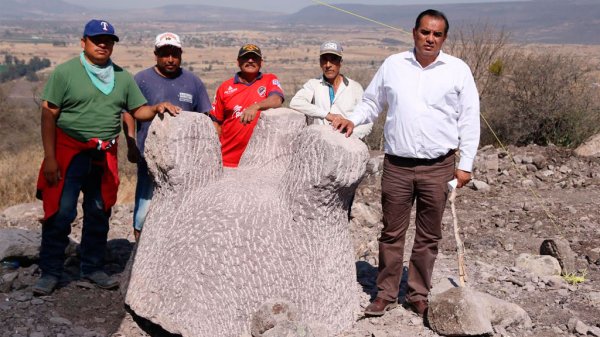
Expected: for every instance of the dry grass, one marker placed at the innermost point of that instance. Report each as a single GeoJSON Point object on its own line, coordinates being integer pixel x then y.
{"type": "Point", "coordinates": [292, 55]}
{"type": "Point", "coordinates": [19, 173]}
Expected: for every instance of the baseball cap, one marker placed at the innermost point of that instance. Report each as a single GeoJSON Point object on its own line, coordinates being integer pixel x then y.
{"type": "Point", "coordinates": [167, 39]}
{"type": "Point", "coordinates": [99, 27]}
{"type": "Point", "coordinates": [249, 48]}
{"type": "Point", "coordinates": [331, 47]}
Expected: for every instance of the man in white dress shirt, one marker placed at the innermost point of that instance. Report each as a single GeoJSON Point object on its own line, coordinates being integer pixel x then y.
{"type": "Point", "coordinates": [433, 110]}
{"type": "Point", "coordinates": [331, 95]}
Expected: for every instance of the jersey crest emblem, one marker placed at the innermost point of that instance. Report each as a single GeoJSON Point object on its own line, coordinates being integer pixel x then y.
{"type": "Point", "coordinates": [262, 91]}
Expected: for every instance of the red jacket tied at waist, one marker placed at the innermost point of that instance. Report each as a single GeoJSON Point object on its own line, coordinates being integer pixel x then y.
{"type": "Point", "coordinates": [66, 149]}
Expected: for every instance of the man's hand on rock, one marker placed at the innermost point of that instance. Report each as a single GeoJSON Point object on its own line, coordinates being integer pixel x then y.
{"type": "Point", "coordinates": [331, 117]}
{"type": "Point", "coordinates": [249, 114]}
{"type": "Point", "coordinates": [163, 107]}
{"type": "Point", "coordinates": [343, 125]}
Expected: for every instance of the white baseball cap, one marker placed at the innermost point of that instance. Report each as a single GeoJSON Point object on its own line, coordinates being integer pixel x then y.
{"type": "Point", "coordinates": [167, 39]}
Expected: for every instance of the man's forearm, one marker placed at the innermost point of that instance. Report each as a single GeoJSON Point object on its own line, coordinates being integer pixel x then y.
{"type": "Point", "coordinates": [48, 125]}
{"type": "Point", "coordinates": [128, 125]}
{"type": "Point", "coordinates": [273, 101]}
{"type": "Point", "coordinates": [144, 113]}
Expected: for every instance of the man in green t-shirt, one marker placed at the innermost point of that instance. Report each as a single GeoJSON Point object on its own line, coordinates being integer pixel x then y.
{"type": "Point", "coordinates": [81, 119]}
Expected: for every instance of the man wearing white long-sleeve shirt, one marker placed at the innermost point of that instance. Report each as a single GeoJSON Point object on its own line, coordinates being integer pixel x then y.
{"type": "Point", "coordinates": [433, 110]}
{"type": "Point", "coordinates": [331, 95]}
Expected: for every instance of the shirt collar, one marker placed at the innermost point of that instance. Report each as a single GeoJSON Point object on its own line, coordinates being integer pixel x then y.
{"type": "Point", "coordinates": [441, 58]}
{"type": "Point", "coordinates": [324, 81]}
{"type": "Point", "coordinates": [236, 78]}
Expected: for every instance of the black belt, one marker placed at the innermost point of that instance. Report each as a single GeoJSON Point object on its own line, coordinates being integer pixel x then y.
{"type": "Point", "coordinates": [418, 161]}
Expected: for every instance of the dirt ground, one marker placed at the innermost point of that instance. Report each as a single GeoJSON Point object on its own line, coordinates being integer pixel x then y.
{"type": "Point", "coordinates": [520, 210]}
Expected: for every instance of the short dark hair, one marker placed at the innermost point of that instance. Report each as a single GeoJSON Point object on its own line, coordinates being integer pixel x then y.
{"type": "Point", "coordinates": [435, 14]}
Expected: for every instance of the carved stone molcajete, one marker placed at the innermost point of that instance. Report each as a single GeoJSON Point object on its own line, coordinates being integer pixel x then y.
{"type": "Point", "coordinates": [218, 243]}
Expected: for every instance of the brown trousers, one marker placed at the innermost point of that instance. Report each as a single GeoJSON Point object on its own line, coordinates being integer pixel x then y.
{"type": "Point", "coordinates": [405, 180]}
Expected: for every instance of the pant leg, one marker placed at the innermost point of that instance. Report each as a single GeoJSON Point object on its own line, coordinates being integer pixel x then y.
{"type": "Point", "coordinates": [95, 220]}
{"type": "Point", "coordinates": [397, 199]}
{"type": "Point", "coordinates": [56, 229]}
{"type": "Point", "coordinates": [144, 190]}
{"type": "Point", "coordinates": [431, 195]}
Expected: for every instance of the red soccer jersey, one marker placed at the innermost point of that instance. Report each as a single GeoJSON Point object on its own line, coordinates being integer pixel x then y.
{"type": "Point", "coordinates": [231, 99]}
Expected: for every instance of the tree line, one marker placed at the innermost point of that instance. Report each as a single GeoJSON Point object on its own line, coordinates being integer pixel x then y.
{"type": "Point", "coordinates": [14, 68]}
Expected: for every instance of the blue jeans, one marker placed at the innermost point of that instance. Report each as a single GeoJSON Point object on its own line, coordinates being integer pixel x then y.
{"type": "Point", "coordinates": [84, 174]}
{"type": "Point", "coordinates": [143, 195]}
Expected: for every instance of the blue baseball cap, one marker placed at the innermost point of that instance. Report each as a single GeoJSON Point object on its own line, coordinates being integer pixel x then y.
{"type": "Point", "coordinates": [99, 27]}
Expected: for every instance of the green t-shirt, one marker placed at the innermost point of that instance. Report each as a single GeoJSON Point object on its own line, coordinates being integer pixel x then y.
{"type": "Point", "coordinates": [85, 112]}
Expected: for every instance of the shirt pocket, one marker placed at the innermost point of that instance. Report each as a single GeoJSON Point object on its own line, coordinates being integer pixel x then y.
{"type": "Point", "coordinates": [444, 98]}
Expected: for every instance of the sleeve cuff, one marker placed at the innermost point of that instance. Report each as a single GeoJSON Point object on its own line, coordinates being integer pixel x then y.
{"type": "Point", "coordinates": [466, 164]}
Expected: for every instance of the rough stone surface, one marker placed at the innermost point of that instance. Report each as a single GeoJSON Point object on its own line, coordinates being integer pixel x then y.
{"type": "Point", "coordinates": [479, 185]}
{"type": "Point", "coordinates": [458, 312]}
{"type": "Point", "coordinates": [541, 265]}
{"type": "Point", "coordinates": [594, 331]}
{"type": "Point", "coordinates": [590, 148]}
{"type": "Point", "coordinates": [290, 329]}
{"type": "Point", "coordinates": [15, 242]}
{"type": "Point", "coordinates": [270, 314]}
{"type": "Point", "coordinates": [218, 243]}
{"type": "Point", "coordinates": [466, 312]}
{"type": "Point", "coordinates": [560, 249]}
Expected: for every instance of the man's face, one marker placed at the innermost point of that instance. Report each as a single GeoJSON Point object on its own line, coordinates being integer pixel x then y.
{"type": "Point", "coordinates": [98, 48]}
{"type": "Point", "coordinates": [331, 65]}
{"type": "Point", "coordinates": [249, 63]}
{"type": "Point", "coordinates": [430, 36]}
{"type": "Point", "coordinates": [168, 60]}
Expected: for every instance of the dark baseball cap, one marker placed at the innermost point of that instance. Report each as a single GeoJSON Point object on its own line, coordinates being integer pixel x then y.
{"type": "Point", "coordinates": [249, 48]}
{"type": "Point", "coordinates": [99, 27]}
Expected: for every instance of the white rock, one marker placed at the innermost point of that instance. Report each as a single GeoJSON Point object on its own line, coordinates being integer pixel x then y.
{"type": "Point", "coordinates": [275, 227]}
{"type": "Point", "coordinates": [541, 265]}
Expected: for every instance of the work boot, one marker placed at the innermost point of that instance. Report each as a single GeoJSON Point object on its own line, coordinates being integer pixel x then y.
{"type": "Point", "coordinates": [379, 307]}
{"type": "Point", "coordinates": [419, 307]}
{"type": "Point", "coordinates": [102, 280]}
{"type": "Point", "coordinates": [45, 285]}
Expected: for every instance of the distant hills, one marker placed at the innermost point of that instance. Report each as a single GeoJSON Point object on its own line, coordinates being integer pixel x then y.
{"type": "Point", "coordinates": [546, 21]}
{"type": "Point", "coordinates": [36, 9]}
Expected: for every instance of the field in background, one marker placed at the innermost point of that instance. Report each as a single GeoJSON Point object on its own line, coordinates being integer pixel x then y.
{"type": "Point", "coordinates": [292, 55]}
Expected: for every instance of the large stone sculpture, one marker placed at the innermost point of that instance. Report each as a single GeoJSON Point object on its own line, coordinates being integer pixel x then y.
{"type": "Point", "coordinates": [218, 243]}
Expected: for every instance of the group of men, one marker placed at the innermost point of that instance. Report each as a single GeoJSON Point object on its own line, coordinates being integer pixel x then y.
{"type": "Point", "coordinates": [433, 112]}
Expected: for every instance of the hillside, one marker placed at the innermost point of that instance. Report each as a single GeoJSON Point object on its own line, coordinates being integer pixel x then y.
{"type": "Point", "coordinates": [554, 21]}
{"type": "Point", "coordinates": [535, 21]}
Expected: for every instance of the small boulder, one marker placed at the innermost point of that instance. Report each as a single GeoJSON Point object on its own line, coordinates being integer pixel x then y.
{"type": "Point", "coordinates": [561, 250]}
{"type": "Point", "coordinates": [289, 329]}
{"type": "Point", "coordinates": [541, 265]}
{"type": "Point", "coordinates": [466, 312]}
{"type": "Point", "coordinates": [270, 314]}
{"type": "Point", "coordinates": [590, 148]}
{"type": "Point", "coordinates": [15, 242]}
{"type": "Point", "coordinates": [479, 185]}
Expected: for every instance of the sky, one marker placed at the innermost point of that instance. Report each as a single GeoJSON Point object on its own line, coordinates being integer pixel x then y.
{"type": "Point", "coordinates": [286, 6]}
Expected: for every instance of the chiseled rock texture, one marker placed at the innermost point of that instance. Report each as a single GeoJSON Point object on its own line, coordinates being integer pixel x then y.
{"type": "Point", "coordinates": [218, 243]}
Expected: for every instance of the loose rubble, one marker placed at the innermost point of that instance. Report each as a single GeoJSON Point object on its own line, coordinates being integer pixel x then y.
{"type": "Point", "coordinates": [535, 194]}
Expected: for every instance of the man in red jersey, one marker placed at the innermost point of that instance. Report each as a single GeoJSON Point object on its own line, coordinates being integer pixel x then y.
{"type": "Point", "coordinates": [239, 101]}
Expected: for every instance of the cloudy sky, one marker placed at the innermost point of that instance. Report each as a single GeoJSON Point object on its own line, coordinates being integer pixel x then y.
{"type": "Point", "coordinates": [288, 6]}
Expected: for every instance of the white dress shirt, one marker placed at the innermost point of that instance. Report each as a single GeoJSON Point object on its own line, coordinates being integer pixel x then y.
{"type": "Point", "coordinates": [431, 110]}
{"type": "Point", "coordinates": [313, 100]}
